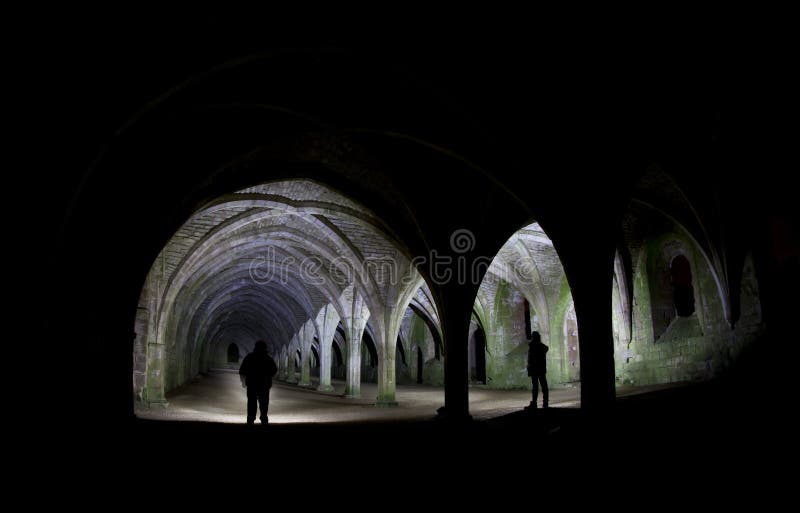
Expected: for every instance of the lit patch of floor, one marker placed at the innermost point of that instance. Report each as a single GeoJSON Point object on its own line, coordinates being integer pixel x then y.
{"type": "Point", "coordinates": [219, 397]}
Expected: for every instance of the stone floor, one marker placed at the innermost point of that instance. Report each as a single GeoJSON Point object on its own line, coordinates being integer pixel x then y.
{"type": "Point", "coordinates": [219, 397]}
{"type": "Point", "coordinates": [650, 432]}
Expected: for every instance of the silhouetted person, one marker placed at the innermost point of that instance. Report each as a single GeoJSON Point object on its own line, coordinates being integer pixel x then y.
{"type": "Point", "coordinates": [256, 374]}
{"type": "Point", "coordinates": [537, 369]}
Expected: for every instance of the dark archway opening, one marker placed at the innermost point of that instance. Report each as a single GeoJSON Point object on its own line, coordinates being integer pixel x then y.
{"type": "Point", "coordinates": [372, 351]}
{"type": "Point", "coordinates": [338, 360]}
{"type": "Point", "coordinates": [682, 291]}
{"type": "Point", "coordinates": [401, 353]}
{"type": "Point", "coordinates": [339, 344]}
{"type": "Point", "coordinates": [233, 353]}
{"type": "Point", "coordinates": [437, 338]}
{"type": "Point", "coordinates": [315, 358]}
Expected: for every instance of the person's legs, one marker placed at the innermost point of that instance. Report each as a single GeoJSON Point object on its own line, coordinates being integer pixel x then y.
{"type": "Point", "coordinates": [545, 391]}
{"type": "Point", "coordinates": [535, 391]}
{"type": "Point", "coordinates": [263, 403]}
{"type": "Point", "coordinates": [252, 405]}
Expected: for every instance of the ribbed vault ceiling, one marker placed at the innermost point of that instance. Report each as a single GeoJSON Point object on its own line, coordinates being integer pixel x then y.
{"type": "Point", "coordinates": [261, 262]}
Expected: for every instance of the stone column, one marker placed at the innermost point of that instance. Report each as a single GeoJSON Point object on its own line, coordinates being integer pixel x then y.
{"type": "Point", "coordinates": [387, 347]}
{"type": "Point", "coordinates": [353, 387]}
{"type": "Point", "coordinates": [325, 367]}
{"type": "Point", "coordinates": [620, 273]}
{"type": "Point", "coordinates": [154, 391]}
{"type": "Point", "coordinates": [354, 326]}
{"type": "Point", "coordinates": [596, 351]}
{"type": "Point", "coordinates": [291, 376]}
{"type": "Point", "coordinates": [306, 337]}
{"type": "Point", "coordinates": [455, 317]}
{"type": "Point", "coordinates": [282, 373]}
{"type": "Point", "coordinates": [387, 385]}
{"type": "Point", "coordinates": [327, 321]}
{"type": "Point", "coordinates": [305, 367]}
{"type": "Point", "coordinates": [154, 351]}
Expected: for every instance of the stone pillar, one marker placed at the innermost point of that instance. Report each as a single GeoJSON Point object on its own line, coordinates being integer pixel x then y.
{"type": "Point", "coordinates": [282, 374]}
{"type": "Point", "coordinates": [154, 391]}
{"type": "Point", "coordinates": [387, 347]}
{"type": "Point", "coordinates": [398, 297]}
{"type": "Point", "coordinates": [626, 329]}
{"type": "Point", "coordinates": [154, 352]}
{"type": "Point", "coordinates": [353, 387]}
{"type": "Point", "coordinates": [359, 314]}
{"type": "Point", "coordinates": [456, 371]}
{"type": "Point", "coordinates": [588, 264]}
{"type": "Point", "coordinates": [327, 321]}
{"type": "Point", "coordinates": [291, 376]}
{"type": "Point", "coordinates": [387, 385]}
{"type": "Point", "coordinates": [305, 367]}
{"type": "Point", "coordinates": [325, 367]}
{"type": "Point", "coordinates": [596, 351]}
{"type": "Point", "coordinates": [455, 317]}
{"type": "Point", "coordinates": [306, 337]}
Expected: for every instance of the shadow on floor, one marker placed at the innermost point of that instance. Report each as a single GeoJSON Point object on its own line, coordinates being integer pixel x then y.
{"type": "Point", "coordinates": [688, 417]}
{"type": "Point", "coordinates": [688, 429]}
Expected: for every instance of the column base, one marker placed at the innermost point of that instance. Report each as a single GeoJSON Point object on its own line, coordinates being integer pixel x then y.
{"type": "Point", "coordinates": [306, 384]}
{"type": "Point", "coordinates": [325, 388]}
{"type": "Point", "coordinates": [356, 395]}
{"type": "Point", "coordinates": [386, 404]}
{"type": "Point", "coordinates": [154, 398]}
{"type": "Point", "coordinates": [452, 416]}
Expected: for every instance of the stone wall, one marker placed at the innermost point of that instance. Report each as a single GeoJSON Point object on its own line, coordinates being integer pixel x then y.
{"type": "Point", "coordinates": [418, 337]}
{"type": "Point", "coordinates": [527, 269]}
{"type": "Point", "coordinates": [666, 348]}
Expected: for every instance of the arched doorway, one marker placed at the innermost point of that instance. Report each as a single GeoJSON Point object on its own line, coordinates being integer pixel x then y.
{"type": "Point", "coordinates": [315, 361]}
{"type": "Point", "coordinates": [680, 273]}
{"type": "Point", "coordinates": [524, 289]}
{"type": "Point", "coordinates": [369, 359]}
{"type": "Point", "coordinates": [478, 346]}
{"type": "Point", "coordinates": [233, 353]}
{"type": "Point", "coordinates": [337, 362]}
{"type": "Point", "coordinates": [421, 338]}
{"type": "Point", "coordinates": [249, 252]}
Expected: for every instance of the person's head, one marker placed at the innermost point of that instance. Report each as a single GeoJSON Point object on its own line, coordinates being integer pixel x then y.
{"type": "Point", "coordinates": [261, 347]}
{"type": "Point", "coordinates": [535, 337]}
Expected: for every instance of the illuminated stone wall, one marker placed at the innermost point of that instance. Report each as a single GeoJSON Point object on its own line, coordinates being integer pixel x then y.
{"type": "Point", "coordinates": [284, 262]}
{"type": "Point", "coordinates": [201, 296]}
{"type": "Point", "coordinates": [527, 268]}
{"type": "Point", "coordinates": [664, 347]}
{"type": "Point", "coordinates": [506, 340]}
{"type": "Point", "coordinates": [697, 347]}
{"type": "Point", "coordinates": [416, 336]}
